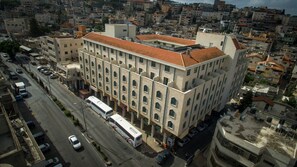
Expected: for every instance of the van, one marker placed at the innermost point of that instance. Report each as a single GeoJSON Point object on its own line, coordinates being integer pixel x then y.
{"type": "Point", "coordinates": [39, 137]}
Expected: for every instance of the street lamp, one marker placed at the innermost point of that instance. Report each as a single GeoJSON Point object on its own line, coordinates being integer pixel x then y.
{"type": "Point", "coordinates": [83, 113]}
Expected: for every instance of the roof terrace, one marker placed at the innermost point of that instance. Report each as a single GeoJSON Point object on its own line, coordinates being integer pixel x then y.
{"type": "Point", "coordinates": [257, 131]}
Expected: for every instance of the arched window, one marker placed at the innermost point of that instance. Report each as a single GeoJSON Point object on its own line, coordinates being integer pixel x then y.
{"type": "Point", "coordinates": [144, 110]}
{"type": "Point", "coordinates": [144, 99]}
{"type": "Point", "coordinates": [133, 103]}
{"type": "Point", "coordinates": [115, 84]}
{"type": "Point", "coordinates": [133, 93]}
{"type": "Point", "coordinates": [115, 74]}
{"type": "Point", "coordinates": [134, 83]}
{"type": "Point", "coordinates": [156, 117]}
{"type": "Point", "coordinates": [106, 70]}
{"type": "Point", "coordinates": [145, 88]}
{"type": "Point", "coordinates": [186, 114]}
{"type": "Point", "coordinates": [158, 106]}
{"type": "Point", "coordinates": [170, 125]}
{"type": "Point", "coordinates": [172, 113]}
{"type": "Point", "coordinates": [173, 101]}
{"type": "Point", "coordinates": [124, 78]}
{"type": "Point", "coordinates": [106, 79]}
{"type": "Point", "coordinates": [124, 88]}
{"type": "Point", "coordinates": [124, 98]}
{"type": "Point", "coordinates": [159, 94]}
{"type": "Point", "coordinates": [189, 102]}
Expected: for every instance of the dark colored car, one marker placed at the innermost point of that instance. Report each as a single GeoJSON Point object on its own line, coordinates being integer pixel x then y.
{"type": "Point", "coordinates": [30, 124]}
{"type": "Point", "coordinates": [44, 147]}
{"type": "Point", "coordinates": [19, 71]}
{"type": "Point", "coordinates": [163, 156]}
{"type": "Point", "coordinates": [52, 162]}
{"type": "Point", "coordinates": [18, 97]}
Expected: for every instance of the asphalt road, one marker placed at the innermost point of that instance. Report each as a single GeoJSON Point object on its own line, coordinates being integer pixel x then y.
{"type": "Point", "coordinates": [57, 126]}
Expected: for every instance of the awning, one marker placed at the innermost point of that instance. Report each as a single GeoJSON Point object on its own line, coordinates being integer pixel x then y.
{"type": "Point", "coordinates": [25, 48]}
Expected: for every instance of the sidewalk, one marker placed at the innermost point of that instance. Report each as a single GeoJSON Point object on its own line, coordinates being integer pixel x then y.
{"type": "Point", "coordinates": [200, 160]}
{"type": "Point", "coordinates": [150, 141]}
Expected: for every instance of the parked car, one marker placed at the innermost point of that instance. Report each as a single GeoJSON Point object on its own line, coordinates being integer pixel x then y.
{"type": "Point", "coordinates": [54, 76]}
{"type": "Point", "coordinates": [39, 137]}
{"type": "Point", "coordinates": [74, 142]}
{"type": "Point", "coordinates": [30, 124]}
{"type": "Point", "coordinates": [201, 127]}
{"type": "Point", "coordinates": [182, 142]}
{"type": "Point", "coordinates": [19, 71]}
{"type": "Point", "coordinates": [40, 67]}
{"type": "Point", "coordinates": [33, 63]}
{"type": "Point", "coordinates": [13, 75]}
{"type": "Point", "coordinates": [9, 60]}
{"type": "Point", "coordinates": [163, 156]}
{"type": "Point", "coordinates": [193, 132]}
{"type": "Point", "coordinates": [52, 162]}
{"type": "Point", "coordinates": [58, 165]}
{"type": "Point", "coordinates": [48, 72]}
{"type": "Point", "coordinates": [19, 98]}
{"type": "Point", "coordinates": [44, 147]}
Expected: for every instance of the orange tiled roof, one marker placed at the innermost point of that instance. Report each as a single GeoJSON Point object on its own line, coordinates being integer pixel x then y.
{"type": "Point", "coordinates": [165, 38]}
{"type": "Point", "coordinates": [254, 55]}
{"type": "Point", "coordinates": [180, 59]}
{"type": "Point", "coordinates": [237, 44]}
{"type": "Point", "coordinates": [265, 99]}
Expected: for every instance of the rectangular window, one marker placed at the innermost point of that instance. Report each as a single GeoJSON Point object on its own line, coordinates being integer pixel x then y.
{"type": "Point", "coordinates": [130, 56]}
{"type": "Point", "coordinates": [120, 53]}
{"type": "Point", "coordinates": [111, 51]}
{"type": "Point", "coordinates": [188, 72]}
{"type": "Point", "coordinates": [186, 85]}
{"type": "Point", "coordinates": [152, 75]}
{"type": "Point", "coordinates": [165, 81]}
{"type": "Point", "coordinates": [167, 68]}
{"type": "Point", "coordinates": [153, 64]}
{"type": "Point", "coordinates": [140, 70]}
{"type": "Point", "coordinates": [203, 67]}
{"type": "Point", "coordinates": [104, 48]}
{"type": "Point", "coordinates": [141, 60]}
{"type": "Point", "coordinates": [195, 70]}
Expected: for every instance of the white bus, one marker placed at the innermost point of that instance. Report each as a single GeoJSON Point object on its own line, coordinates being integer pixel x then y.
{"type": "Point", "coordinates": [101, 108]}
{"type": "Point", "coordinates": [125, 129]}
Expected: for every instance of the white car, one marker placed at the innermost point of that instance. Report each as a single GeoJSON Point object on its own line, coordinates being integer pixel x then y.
{"type": "Point", "coordinates": [74, 142]}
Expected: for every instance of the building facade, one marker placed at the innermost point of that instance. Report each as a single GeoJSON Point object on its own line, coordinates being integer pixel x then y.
{"type": "Point", "coordinates": [60, 49]}
{"type": "Point", "coordinates": [169, 84]}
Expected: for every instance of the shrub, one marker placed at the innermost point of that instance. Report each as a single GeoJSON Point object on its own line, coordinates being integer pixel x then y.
{"type": "Point", "coordinates": [67, 113]}
{"type": "Point", "coordinates": [75, 122]}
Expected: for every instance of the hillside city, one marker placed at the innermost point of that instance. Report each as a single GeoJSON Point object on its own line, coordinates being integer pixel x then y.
{"type": "Point", "coordinates": [147, 83]}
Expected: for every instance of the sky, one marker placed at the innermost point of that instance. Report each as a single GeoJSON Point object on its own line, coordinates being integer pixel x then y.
{"type": "Point", "coordinates": [289, 5]}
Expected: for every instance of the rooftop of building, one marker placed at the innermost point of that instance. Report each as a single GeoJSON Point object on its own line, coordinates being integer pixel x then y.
{"type": "Point", "coordinates": [155, 37]}
{"type": "Point", "coordinates": [183, 59]}
{"type": "Point", "coordinates": [255, 129]}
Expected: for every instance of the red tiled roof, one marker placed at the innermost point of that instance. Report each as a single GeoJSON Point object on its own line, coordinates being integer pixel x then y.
{"type": "Point", "coordinates": [236, 43]}
{"type": "Point", "coordinates": [180, 59]}
{"type": "Point", "coordinates": [265, 99]}
{"type": "Point", "coordinates": [165, 38]}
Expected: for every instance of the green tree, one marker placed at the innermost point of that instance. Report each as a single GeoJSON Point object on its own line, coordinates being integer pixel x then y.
{"type": "Point", "coordinates": [101, 27]}
{"type": "Point", "coordinates": [246, 101]}
{"type": "Point", "coordinates": [35, 29]}
{"type": "Point", "coordinates": [9, 4]}
{"type": "Point", "coordinates": [10, 47]}
{"type": "Point", "coordinates": [292, 101]}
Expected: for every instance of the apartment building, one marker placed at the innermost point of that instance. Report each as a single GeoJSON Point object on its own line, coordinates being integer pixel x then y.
{"type": "Point", "coordinates": [17, 25]}
{"type": "Point", "coordinates": [169, 84]}
{"type": "Point", "coordinates": [60, 49]}
{"type": "Point", "coordinates": [250, 140]}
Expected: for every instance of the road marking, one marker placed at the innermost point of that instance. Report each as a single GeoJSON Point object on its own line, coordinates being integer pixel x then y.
{"type": "Point", "coordinates": [86, 138]}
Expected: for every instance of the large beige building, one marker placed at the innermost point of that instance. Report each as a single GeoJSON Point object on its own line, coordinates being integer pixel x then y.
{"type": "Point", "coordinates": [62, 53]}
{"type": "Point", "coordinates": [60, 49]}
{"type": "Point", "coordinates": [247, 140]}
{"type": "Point", "coordinates": [17, 25]}
{"type": "Point", "coordinates": [170, 84]}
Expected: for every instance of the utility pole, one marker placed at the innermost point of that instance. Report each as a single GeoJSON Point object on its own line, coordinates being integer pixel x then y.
{"type": "Point", "coordinates": [49, 85]}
